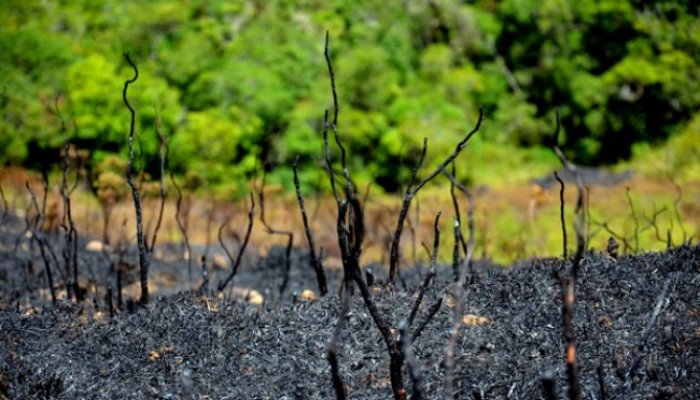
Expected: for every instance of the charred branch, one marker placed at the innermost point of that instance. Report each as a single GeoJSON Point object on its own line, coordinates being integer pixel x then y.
{"type": "Point", "coordinates": [144, 259]}
{"type": "Point", "coordinates": [316, 262]}
{"type": "Point", "coordinates": [237, 262]}
{"type": "Point", "coordinates": [411, 192]}
{"type": "Point", "coordinates": [569, 292]}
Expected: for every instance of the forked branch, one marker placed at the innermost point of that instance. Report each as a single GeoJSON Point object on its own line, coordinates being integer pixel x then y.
{"type": "Point", "coordinates": [412, 191]}
{"type": "Point", "coordinates": [237, 262]}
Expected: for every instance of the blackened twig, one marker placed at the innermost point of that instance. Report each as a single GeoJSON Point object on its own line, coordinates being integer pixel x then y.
{"type": "Point", "coordinates": [316, 263]}
{"type": "Point", "coordinates": [144, 259]}
{"type": "Point", "coordinates": [562, 216]}
{"type": "Point", "coordinates": [235, 264]}
{"type": "Point", "coordinates": [426, 320]}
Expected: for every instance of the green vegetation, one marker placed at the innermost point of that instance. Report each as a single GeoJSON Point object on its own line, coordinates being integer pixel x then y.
{"type": "Point", "coordinates": [240, 81]}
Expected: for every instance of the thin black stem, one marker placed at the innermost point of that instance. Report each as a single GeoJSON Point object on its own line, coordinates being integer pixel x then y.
{"type": "Point", "coordinates": [144, 259]}
{"type": "Point", "coordinates": [562, 216]}
{"type": "Point", "coordinates": [316, 263]}
{"type": "Point", "coordinates": [235, 264]}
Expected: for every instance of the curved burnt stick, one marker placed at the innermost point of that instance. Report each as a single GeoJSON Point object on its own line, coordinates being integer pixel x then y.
{"type": "Point", "coordinates": [338, 385]}
{"type": "Point", "coordinates": [349, 224]}
{"type": "Point", "coordinates": [331, 73]}
{"type": "Point", "coordinates": [182, 227]}
{"type": "Point", "coordinates": [426, 320]}
{"type": "Point", "coordinates": [144, 259]}
{"type": "Point", "coordinates": [355, 212]}
{"type": "Point", "coordinates": [431, 274]}
{"type": "Point", "coordinates": [316, 263]}
{"type": "Point", "coordinates": [235, 264]}
{"type": "Point", "coordinates": [414, 371]}
{"type": "Point", "coordinates": [562, 217]}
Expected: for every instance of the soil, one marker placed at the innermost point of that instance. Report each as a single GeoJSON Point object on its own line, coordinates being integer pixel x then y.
{"type": "Point", "coordinates": [195, 344]}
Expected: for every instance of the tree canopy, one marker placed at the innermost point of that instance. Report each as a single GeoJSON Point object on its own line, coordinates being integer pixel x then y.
{"type": "Point", "coordinates": [236, 82]}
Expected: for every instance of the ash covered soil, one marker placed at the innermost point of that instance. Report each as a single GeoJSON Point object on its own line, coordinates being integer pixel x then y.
{"type": "Point", "coordinates": [192, 344]}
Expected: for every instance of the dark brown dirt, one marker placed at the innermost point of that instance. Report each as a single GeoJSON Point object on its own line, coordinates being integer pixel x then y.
{"type": "Point", "coordinates": [195, 345]}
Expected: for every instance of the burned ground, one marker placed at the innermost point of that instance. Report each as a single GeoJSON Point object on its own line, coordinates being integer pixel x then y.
{"type": "Point", "coordinates": [197, 345]}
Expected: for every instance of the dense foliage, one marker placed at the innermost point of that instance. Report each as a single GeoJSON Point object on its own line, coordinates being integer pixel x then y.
{"type": "Point", "coordinates": [235, 82]}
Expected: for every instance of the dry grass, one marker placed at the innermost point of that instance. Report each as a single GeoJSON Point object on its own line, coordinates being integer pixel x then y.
{"type": "Point", "coordinates": [511, 223]}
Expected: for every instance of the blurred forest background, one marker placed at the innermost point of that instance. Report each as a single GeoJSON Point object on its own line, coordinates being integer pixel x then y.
{"type": "Point", "coordinates": [238, 84]}
{"type": "Point", "coordinates": [235, 82]}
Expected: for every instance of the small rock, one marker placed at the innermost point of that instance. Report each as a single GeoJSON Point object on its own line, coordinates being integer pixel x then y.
{"type": "Point", "coordinates": [308, 295]}
{"type": "Point", "coordinates": [95, 246]}
{"type": "Point", "coordinates": [474, 320]}
{"type": "Point", "coordinates": [250, 296]}
{"type": "Point", "coordinates": [220, 262]}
